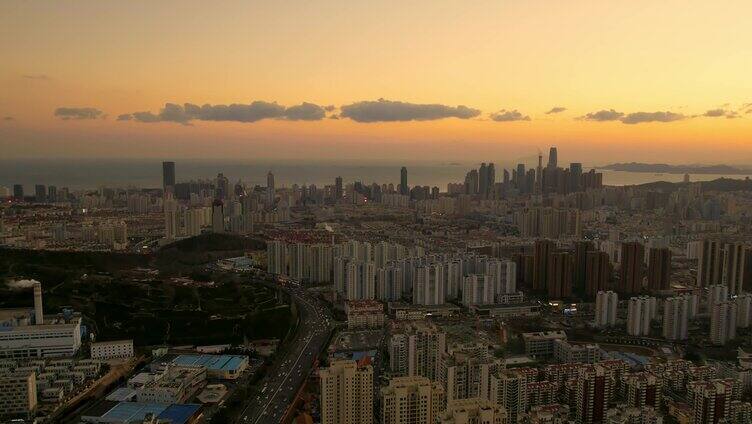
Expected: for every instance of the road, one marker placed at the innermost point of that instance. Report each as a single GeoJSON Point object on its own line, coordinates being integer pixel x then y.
{"type": "Point", "coordinates": [284, 378]}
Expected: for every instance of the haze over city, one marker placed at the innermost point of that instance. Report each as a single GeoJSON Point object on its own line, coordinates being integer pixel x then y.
{"type": "Point", "coordinates": [375, 212]}
{"type": "Point", "coordinates": [606, 82]}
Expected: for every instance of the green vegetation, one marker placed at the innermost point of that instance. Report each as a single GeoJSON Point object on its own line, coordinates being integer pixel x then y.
{"type": "Point", "coordinates": [119, 300]}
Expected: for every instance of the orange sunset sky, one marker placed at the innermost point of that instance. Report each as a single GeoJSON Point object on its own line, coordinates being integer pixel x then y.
{"type": "Point", "coordinates": [605, 81]}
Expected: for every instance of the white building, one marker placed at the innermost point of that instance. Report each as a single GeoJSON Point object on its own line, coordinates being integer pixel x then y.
{"type": "Point", "coordinates": [743, 310]}
{"type": "Point", "coordinates": [18, 394]}
{"type": "Point", "coordinates": [112, 349]}
{"type": "Point", "coordinates": [723, 322]}
{"type": "Point", "coordinates": [641, 311]}
{"type": "Point", "coordinates": [346, 393]}
{"type": "Point", "coordinates": [676, 315]}
{"type": "Point", "coordinates": [29, 333]}
{"type": "Point", "coordinates": [415, 350]}
{"type": "Point", "coordinates": [605, 309]}
{"type": "Point", "coordinates": [429, 286]}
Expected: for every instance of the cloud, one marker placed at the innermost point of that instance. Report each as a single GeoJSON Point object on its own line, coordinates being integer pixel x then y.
{"type": "Point", "coordinates": [67, 113]}
{"type": "Point", "coordinates": [717, 113]}
{"type": "Point", "coordinates": [642, 117]}
{"type": "Point", "coordinates": [508, 116]}
{"type": "Point", "coordinates": [395, 111]}
{"type": "Point", "coordinates": [253, 112]}
{"type": "Point", "coordinates": [330, 108]}
{"type": "Point", "coordinates": [305, 112]}
{"type": "Point", "coordinates": [556, 109]}
{"type": "Point", "coordinates": [602, 116]}
{"type": "Point", "coordinates": [36, 77]}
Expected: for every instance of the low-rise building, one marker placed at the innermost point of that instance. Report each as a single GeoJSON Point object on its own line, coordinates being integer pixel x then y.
{"type": "Point", "coordinates": [120, 349]}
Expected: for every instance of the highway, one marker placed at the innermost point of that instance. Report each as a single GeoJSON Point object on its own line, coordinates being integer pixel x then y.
{"type": "Point", "coordinates": [284, 378]}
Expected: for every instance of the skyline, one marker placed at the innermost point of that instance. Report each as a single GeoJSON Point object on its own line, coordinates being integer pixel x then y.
{"type": "Point", "coordinates": [606, 83]}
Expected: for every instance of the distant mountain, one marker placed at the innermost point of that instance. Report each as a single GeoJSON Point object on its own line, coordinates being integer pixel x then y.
{"type": "Point", "coordinates": [662, 168]}
{"type": "Point", "coordinates": [720, 184]}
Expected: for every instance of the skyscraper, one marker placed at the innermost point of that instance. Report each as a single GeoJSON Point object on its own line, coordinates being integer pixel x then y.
{"type": "Point", "coordinates": [218, 217]}
{"type": "Point", "coordinates": [543, 250]}
{"type": "Point", "coordinates": [581, 249]}
{"type": "Point", "coordinates": [559, 275]}
{"type": "Point", "coordinates": [346, 391]}
{"type": "Point", "coordinates": [404, 189]}
{"type": "Point", "coordinates": [575, 176]}
{"type": "Point", "coordinates": [337, 188]}
{"type": "Point", "coordinates": [659, 268]}
{"type": "Point", "coordinates": [18, 192]}
{"type": "Point", "coordinates": [40, 193]}
{"type": "Point", "coordinates": [631, 271]}
{"type": "Point", "coordinates": [270, 194]}
{"type": "Point", "coordinates": [598, 272]}
{"type": "Point", "coordinates": [553, 161]}
{"type": "Point", "coordinates": [168, 176]}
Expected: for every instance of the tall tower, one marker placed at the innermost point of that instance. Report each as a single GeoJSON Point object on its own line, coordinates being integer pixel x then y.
{"type": "Point", "coordinates": [553, 161]}
{"type": "Point", "coordinates": [218, 217]}
{"type": "Point", "coordinates": [632, 270]}
{"type": "Point", "coordinates": [270, 189]}
{"type": "Point", "coordinates": [168, 177]}
{"type": "Point", "coordinates": [338, 188]}
{"type": "Point", "coordinates": [539, 175]}
{"type": "Point", "coordinates": [38, 310]}
{"type": "Point", "coordinates": [404, 189]}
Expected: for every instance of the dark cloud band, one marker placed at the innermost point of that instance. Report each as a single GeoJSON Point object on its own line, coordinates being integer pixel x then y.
{"type": "Point", "coordinates": [78, 113]}
{"type": "Point", "coordinates": [236, 112]}
{"type": "Point", "coordinates": [394, 111]}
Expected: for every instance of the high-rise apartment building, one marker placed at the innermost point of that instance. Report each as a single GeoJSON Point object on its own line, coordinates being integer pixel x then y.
{"type": "Point", "coordinates": [543, 250]}
{"type": "Point", "coordinates": [677, 311]}
{"type": "Point", "coordinates": [411, 400]}
{"type": "Point", "coordinates": [659, 269]}
{"type": "Point", "coordinates": [270, 190]}
{"type": "Point", "coordinates": [606, 304]}
{"type": "Point", "coordinates": [631, 272]}
{"type": "Point", "coordinates": [559, 275]}
{"type": "Point", "coordinates": [404, 188]}
{"type": "Point", "coordinates": [508, 389]}
{"type": "Point", "coordinates": [168, 177]}
{"type": "Point", "coordinates": [465, 375]}
{"type": "Point", "coordinates": [723, 322]}
{"type": "Point", "coordinates": [598, 272]}
{"type": "Point", "coordinates": [643, 389]}
{"type": "Point", "coordinates": [429, 287]}
{"type": "Point", "coordinates": [218, 217]}
{"type": "Point", "coordinates": [415, 349]}
{"type": "Point", "coordinates": [594, 389]}
{"type": "Point", "coordinates": [346, 393]}
{"type": "Point", "coordinates": [640, 312]}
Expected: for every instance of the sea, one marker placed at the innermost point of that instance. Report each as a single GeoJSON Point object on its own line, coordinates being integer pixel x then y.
{"type": "Point", "coordinates": [82, 174]}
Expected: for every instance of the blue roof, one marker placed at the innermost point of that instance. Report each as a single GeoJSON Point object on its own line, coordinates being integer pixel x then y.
{"type": "Point", "coordinates": [127, 412]}
{"type": "Point", "coordinates": [179, 413]}
{"type": "Point", "coordinates": [212, 362]}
